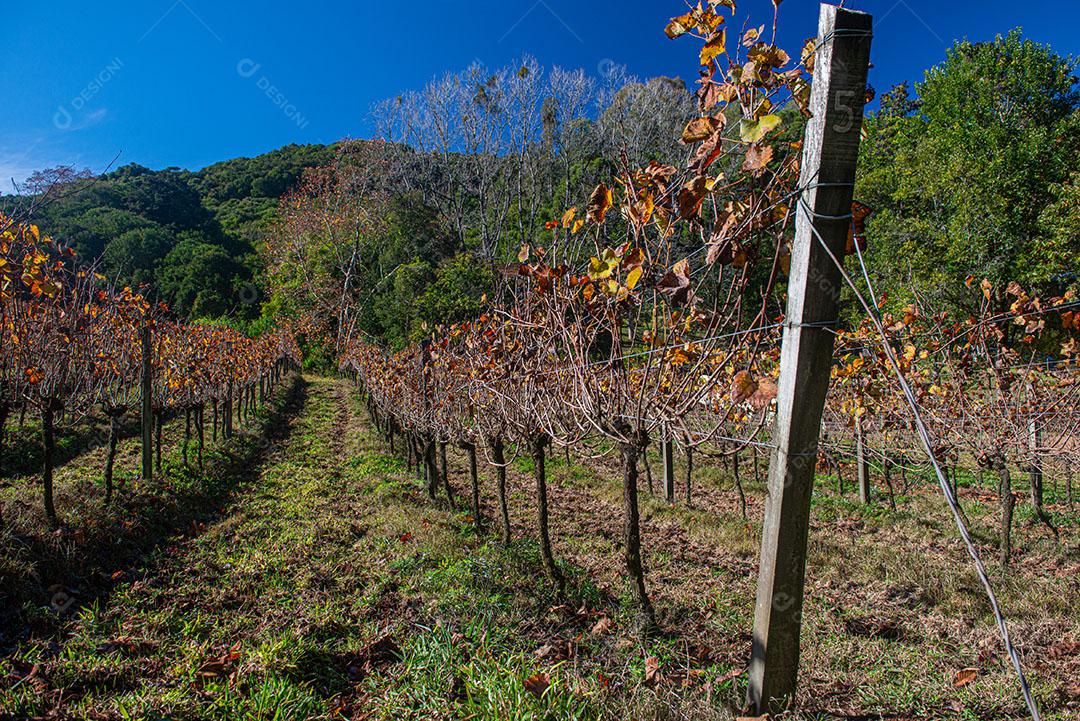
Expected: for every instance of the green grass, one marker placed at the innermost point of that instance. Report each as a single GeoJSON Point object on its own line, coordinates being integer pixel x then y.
{"type": "Point", "coordinates": [310, 577]}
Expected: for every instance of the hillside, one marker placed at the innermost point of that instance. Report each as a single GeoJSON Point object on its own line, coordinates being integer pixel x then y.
{"type": "Point", "coordinates": [188, 236]}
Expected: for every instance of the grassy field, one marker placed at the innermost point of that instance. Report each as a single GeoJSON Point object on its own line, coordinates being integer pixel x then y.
{"type": "Point", "coordinates": [305, 575]}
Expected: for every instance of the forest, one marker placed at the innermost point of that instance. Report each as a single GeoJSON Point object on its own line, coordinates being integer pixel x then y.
{"type": "Point", "coordinates": [564, 395]}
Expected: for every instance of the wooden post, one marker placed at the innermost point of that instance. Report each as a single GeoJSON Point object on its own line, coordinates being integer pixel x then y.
{"type": "Point", "coordinates": [830, 152]}
{"type": "Point", "coordinates": [862, 463]}
{"type": "Point", "coordinates": [667, 460]}
{"type": "Point", "coordinates": [147, 407]}
{"type": "Point", "coordinates": [1035, 470]}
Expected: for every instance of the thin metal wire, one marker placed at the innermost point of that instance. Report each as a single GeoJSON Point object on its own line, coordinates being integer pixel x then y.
{"type": "Point", "coordinates": [946, 488]}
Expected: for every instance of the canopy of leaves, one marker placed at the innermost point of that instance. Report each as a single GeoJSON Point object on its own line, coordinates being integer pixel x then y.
{"type": "Point", "coordinates": [974, 175]}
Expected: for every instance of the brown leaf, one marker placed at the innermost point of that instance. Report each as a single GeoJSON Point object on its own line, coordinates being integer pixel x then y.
{"type": "Point", "coordinates": [700, 129]}
{"type": "Point", "coordinates": [713, 47]}
{"type": "Point", "coordinates": [599, 203]}
{"type": "Point", "coordinates": [743, 386]}
{"type": "Point", "coordinates": [676, 283]}
{"type": "Point", "coordinates": [600, 627]}
{"type": "Point", "coordinates": [765, 393]}
{"type": "Point", "coordinates": [757, 157]}
{"type": "Point", "coordinates": [652, 670]}
{"type": "Point", "coordinates": [691, 196]}
{"type": "Point", "coordinates": [964, 677]}
{"type": "Point", "coordinates": [537, 684]}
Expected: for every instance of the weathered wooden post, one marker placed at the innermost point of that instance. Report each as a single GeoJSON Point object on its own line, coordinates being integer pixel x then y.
{"type": "Point", "coordinates": [147, 406]}
{"type": "Point", "coordinates": [830, 152]}
{"type": "Point", "coordinates": [1035, 470]}
{"type": "Point", "coordinates": [862, 463]}
{"type": "Point", "coordinates": [667, 460]}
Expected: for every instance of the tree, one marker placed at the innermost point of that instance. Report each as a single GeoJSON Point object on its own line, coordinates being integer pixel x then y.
{"type": "Point", "coordinates": [198, 279]}
{"type": "Point", "coordinates": [959, 177]}
{"type": "Point", "coordinates": [134, 256]}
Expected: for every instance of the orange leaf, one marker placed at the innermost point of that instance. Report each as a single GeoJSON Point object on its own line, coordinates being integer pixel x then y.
{"type": "Point", "coordinates": [964, 677]}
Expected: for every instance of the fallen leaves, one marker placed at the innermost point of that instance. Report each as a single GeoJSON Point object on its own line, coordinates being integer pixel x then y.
{"type": "Point", "coordinates": [964, 677]}
{"type": "Point", "coordinates": [537, 684]}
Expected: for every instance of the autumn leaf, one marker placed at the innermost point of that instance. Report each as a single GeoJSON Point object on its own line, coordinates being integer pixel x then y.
{"type": "Point", "coordinates": [809, 52]}
{"type": "Point", "coordinates": [599, 203]}
{"type": "Point", "coordinates": [752, 131]}
{"type": "Point", "coordinates": [601, 627]}
{"type": "Point", "coordinates": [680, 25]}
{"type": "Point", "coordinates": [568, 217]}
{"type": "Point", "coordinates": [714, 46]}
{"type": "Point", "coordinates": [743, 386]}
{"type": "Point", "coordinates": [634, 258]}
{"type": "Point", "coordinates": [691, 196]}
{"type": "Point", "coordinates": [699, 129]}
{"type": "Point", "coordinates": [652, 670]}
{"type": "Point", "coordinates": [764, 394]}
{"type": "Point", "coordinates": [750, 36]}
{"type": "Point", "coordinates": [676, 283]}
{"type": "Point", "coordinates": [537, 684]}
{"type": "Point", "coordinates": [523, 254]}
{"type": "Point", "coordinates": [964, 677]}
{"type": "Point", "coordinates": [757, 157]}
{"type": "Point", "coordinates": [633, 277]}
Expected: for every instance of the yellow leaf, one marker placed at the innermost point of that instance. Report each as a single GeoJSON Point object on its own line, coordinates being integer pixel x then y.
{"type": "Point", "coordinates": [633, 277]}
{"type": "Point", "coordinates": [752, 131]}
{"type": "Point", "coordinates": [714, 47]}
{"type": "Point", "coordinates": [680, 25]}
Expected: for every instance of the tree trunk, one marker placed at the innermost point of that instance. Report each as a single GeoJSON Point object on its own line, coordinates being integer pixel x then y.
{"type": "Point", "coordinates": [632, 536]}
{"type": "Point", "coordinates": [886, 468]}
{"type": "Point", "coordinates": [648, 470]}
{"type": "Point", "coordinates": [444, 472]}
{"type": "Point", "coordinates": [215, 414]}
{"type": "Point", "coordinates": [500, 480]}
{"type": "Point", "coordinates": [48, 447]}
{"type": "Point", "coordinates": [539, 444]}
{"type": "Point", "coordinates": [738, 484]}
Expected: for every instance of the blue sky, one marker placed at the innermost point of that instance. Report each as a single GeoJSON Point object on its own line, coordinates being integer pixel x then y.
{"type": "Point", "coordinates": [185, 82]}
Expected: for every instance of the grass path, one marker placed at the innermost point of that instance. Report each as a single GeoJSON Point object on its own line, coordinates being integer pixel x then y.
{"type": "Point", "coordinates": [321, 583]}
{"type": "Point", "coordinates": [326, 587]}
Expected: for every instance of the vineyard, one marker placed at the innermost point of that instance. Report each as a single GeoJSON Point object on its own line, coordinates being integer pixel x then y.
{"type": "Point", "coordinates": [554, 494]}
